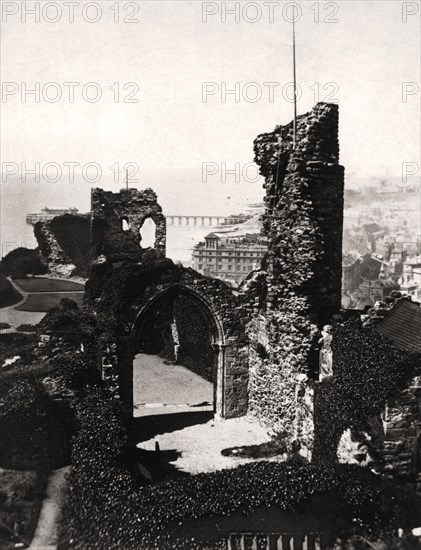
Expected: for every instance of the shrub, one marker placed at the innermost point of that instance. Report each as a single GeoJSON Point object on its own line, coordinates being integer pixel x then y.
{"type": "Point", "coordinates": [68, 321]}
{"type": "Point", "coordinates": [22, 262]}
{"type": "Point", "coordinates": [4, 326]}
{"type": "Point", "coordinates": [367, 369]}
{"type": "Point", "coordinates": [77, 370]}
{"type": "Point", "coordinates": [133, 517]}
{"type": "Point", "coordinates": [23, 431]}
{"type": "Point", "coordinates": [24, 327]}
{"type": "Point", "coordinates": [15, 255]}
{"type": "Point", "coordinates": [21, 497]}
{"type": "Point", "coordinates": [8, 294]}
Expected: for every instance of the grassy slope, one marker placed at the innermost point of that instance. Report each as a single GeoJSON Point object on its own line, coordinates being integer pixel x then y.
{"type": "Point", "coordinates": [45, 301]}
{"type": "Point", "coordinates": [43, 284]}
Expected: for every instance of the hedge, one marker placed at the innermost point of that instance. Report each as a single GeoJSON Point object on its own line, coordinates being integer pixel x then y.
{"type": "Point", "coordinates": [367, 369]}
{"type": "Point", "coordinates": [103, 484]}
{"type": "Point", "coordinates": [33, 430]}
{"type": "Point", "coordinates": [8, 294]}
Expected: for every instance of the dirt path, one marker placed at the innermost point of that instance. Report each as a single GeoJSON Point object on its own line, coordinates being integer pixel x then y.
{"type": "Point", "coordinates": [46, 534]}
{"type": "Point", "coordinates": [14, 317]}
{"type": "Point", "coordinates": [178, 403]}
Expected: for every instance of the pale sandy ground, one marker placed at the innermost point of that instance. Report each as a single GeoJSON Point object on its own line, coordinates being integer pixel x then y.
{"type": "Point", "coordinates": [201, 445]}
{"type": "Point", "coordinates": [157, 384]}
{"type": "Point", "coordinates": [167, 390]}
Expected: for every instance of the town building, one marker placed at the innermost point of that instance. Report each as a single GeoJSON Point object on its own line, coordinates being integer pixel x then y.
{"type": "Point", "coordinates": [353, 270]}
{"type": "Point", "coordinates": [410, 282]}
{"type": "Point", "coordinates": [229, 258]}
{"type": "Point", "coordinates": [48, 214]}
{"type": "Point", "coordinates": [376, 290]}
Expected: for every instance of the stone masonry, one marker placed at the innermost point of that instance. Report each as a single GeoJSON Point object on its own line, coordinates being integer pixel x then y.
{"type": "Point", "coordinates": [301, 279]}
{"type": "Point", "coordinates": [268, 334]}
{"type": "Point", "coordinates": [109, 211]}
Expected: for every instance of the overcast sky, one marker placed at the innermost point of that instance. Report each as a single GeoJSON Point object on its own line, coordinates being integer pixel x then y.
{"type": "Point", "coordinates": [362, 48]}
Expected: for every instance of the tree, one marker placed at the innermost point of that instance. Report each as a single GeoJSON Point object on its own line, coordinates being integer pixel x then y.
{"type": "Point", "coordinates": [33, 263]}
{"type": "Point", "coordinates": [25, 266]}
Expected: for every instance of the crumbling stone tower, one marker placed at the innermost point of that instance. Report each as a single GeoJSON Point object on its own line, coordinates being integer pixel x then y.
{"type": "Point", "coordinates": [110, 212]}
{"type": "Point", "coordinates": [301, 280]}
{"type": "Point", "coordinates": [304, 210]}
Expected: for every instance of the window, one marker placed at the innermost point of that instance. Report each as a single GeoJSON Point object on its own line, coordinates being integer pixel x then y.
{"type": "Point", "coordinates": [147, 233]}
{"type": "Point", "coordinates": [200, 266]}
{"type": "Point", "coordinates": [229, 267]}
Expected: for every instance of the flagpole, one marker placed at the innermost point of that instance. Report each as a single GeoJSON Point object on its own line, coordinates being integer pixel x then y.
{"type": "Point", "coordinates": [295, 78]}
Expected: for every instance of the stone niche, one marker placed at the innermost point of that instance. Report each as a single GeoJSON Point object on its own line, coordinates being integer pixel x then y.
{"type": "Point", "coordinates": [117, 219]}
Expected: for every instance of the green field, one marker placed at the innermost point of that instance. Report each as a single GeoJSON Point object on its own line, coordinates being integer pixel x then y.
{"type": "Point", "coordinates": [43, 284]}
{"type": "Point", "coordinates": [46, 300]}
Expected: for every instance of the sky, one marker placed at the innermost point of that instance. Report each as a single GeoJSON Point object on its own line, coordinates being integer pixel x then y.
{"type": "Point", "coordinates": [359, 53]}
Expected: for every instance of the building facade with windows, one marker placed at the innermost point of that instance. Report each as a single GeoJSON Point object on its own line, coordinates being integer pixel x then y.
{"type": "Point", "coordinates": [229, 258]}
{"type": "Point", "coordinates": [48, 214]}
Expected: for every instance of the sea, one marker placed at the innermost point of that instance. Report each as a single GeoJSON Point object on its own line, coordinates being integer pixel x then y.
{"type": "Point", "coordinates": [17, 200]}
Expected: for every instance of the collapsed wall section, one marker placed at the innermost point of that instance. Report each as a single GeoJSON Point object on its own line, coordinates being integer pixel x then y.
{"type": "Point", "coordinates": [301, 281]}
{"type": "Point", "coordinates": [64, 243]}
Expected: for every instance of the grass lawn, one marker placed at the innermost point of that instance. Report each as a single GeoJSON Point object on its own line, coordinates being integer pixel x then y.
{"type": "Point", "coordinates": [45, 301]}
{"type": "Point", "coordinates": [21, 495]}
{"type": "Point", "coordinates": [42, 284]}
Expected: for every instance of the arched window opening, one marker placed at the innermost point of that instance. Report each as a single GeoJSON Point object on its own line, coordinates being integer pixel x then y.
{"type": "Point", "coordinates": [147, 234]}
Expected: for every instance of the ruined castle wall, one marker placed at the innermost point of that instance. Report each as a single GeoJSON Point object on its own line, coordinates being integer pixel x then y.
{"type": "Point", "coordinates": [108, 211]}
{"type": "Point", "coordinates": [64, 242]}
{"type": "Point", "coordinates": [123, 296]}
{"type": "Point", "coordinates": [402, 443]}
{"type": "Point", "coordinates": [302, 276]}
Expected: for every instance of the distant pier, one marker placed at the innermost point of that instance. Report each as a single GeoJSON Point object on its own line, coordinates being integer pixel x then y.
{"type": "Point", "coordinates": [206, 221]}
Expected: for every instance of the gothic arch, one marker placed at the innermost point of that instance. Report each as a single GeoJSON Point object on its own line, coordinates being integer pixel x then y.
{"type": "Point", "coordinates": [171, 292]}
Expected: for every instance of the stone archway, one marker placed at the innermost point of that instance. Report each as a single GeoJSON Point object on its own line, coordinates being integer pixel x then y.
{"type": "Point", "coordinates": [168, 299]}
{"type": "Point", "coordinates": [144, 284]}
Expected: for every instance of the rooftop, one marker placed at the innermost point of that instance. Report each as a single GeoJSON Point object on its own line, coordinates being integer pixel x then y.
{"type": "Point", "coordinates": [403, 325]}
